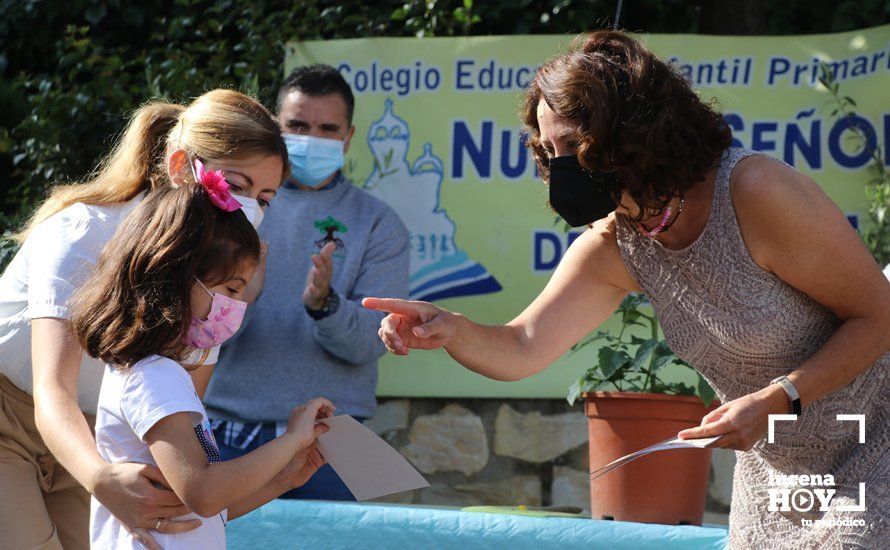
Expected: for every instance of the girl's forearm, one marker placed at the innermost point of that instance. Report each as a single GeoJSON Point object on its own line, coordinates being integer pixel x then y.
{"type": "Point", "coordinates": [834, 365]}
{"type": "Point", "coordinates": [225, 484]}
{"type": "Point", "coordinates": [269, 492]}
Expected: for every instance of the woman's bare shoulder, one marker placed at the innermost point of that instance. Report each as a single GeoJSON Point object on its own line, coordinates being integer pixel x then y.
{"type": "Point", "coordinates": [760, 181]}
{"type": "Point", "coordinates": [597, 249]}
{"type": "Point", "coordinates": [778, 208]}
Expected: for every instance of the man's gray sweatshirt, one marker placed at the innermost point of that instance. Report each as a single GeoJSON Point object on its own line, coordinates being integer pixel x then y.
{"type": "Point", "coordinates": [281, 357]}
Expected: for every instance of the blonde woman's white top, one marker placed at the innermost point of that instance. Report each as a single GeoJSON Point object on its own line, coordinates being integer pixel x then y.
{"type": "Point", "coordinates": [56, 258]}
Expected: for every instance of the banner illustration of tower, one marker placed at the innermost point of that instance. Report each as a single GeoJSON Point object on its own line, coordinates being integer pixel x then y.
{"type": "Point", "coordinates": [439, 268]}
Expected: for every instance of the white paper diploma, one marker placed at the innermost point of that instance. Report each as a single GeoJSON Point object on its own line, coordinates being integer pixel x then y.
{"type": "Point", "coordinates": [667, 444]}
{"type": "Point", "coordinates": [368, 465]}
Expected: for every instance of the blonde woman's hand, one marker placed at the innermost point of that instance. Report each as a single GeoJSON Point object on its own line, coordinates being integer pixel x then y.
{"type": "Point", "coordinates": [412, 325]}
{"type": "Point", "coordinates": [138, 496]}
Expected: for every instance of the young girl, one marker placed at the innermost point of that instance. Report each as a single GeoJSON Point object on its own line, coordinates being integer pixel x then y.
{"type": "Point", "coordinates": [168, 283]}
{"type": "Point", "coordinates": [49, 387]}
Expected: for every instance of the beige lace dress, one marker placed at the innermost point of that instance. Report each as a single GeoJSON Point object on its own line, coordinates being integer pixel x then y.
{"type": "Point", "coordinates": [741, 326]}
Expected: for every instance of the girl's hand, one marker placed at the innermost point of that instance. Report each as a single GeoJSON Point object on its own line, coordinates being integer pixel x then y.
{"type": "Point", "coordinates": [742, 422]}
{"type": "Point", "coordinates": [303, 424]}
{"type": "Point", "coordinates": [302, 467]}
{"type": "Point", "coordinates": [417, 325]}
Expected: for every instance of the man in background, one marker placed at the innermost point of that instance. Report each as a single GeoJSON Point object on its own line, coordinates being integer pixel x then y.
{"type": "Point", "coordinates": [330, 244]}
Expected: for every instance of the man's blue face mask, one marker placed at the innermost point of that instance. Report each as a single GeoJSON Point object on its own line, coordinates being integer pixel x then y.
{"type": "Point", "coordinates": [313, 159]}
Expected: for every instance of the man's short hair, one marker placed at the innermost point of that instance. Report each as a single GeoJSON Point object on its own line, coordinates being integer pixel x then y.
{"type": "Point", "coordinates": [318, 80]}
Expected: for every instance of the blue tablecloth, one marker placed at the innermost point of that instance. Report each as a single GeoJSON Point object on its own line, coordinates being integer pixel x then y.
{"type": "Point", "coordinates": [322, 525]}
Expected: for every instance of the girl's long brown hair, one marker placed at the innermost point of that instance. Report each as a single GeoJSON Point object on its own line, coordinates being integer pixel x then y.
{"type": "Point", "coordinates": [635, 116]}
{"type": "Point", "coordinates": [138, 301]}
{"type": "Point", "coordinates": [220, 124]}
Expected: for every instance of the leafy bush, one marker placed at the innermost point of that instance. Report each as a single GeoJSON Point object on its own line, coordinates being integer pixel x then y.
{"type": "Point", "coordinates": [629, 363]}
{"type": "Point", "coordinates": [71, 70]}
{"type": "Point", "coordinates": [877, 193]}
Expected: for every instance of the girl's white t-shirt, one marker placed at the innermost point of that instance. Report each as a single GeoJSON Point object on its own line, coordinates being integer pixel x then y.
{"type": "Point", "coordinates": [56, 258]}
{"type": "Point", "coordinates": [131, 401]}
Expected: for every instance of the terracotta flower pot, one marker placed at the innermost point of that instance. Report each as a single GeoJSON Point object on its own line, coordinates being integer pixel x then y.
{"type": "Point", "coordinates": [668, 487]}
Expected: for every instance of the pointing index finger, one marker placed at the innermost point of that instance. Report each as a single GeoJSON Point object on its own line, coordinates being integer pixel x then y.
{"type": "Point", "coordinates": [390, 305]}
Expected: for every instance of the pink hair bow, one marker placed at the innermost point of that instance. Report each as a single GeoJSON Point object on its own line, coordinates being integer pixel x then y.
{"type": "Point", "coordinates": [214, 182]}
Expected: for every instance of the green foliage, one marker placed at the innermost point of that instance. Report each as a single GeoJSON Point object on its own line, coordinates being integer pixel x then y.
{"type": "Point", "coordinates": [71, 70]}
{"type": "Point", "coordinates": [630, 363]}
{"type": "Point", "coordinates": [876, 233]}
{"type": "Point", "coordinates": [822, 16]}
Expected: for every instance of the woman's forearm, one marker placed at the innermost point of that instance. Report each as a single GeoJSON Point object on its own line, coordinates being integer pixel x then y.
{"type": "Point", "coordinates": [743, 422]}
{"type": "Point", "coordinates": [67, 434]}
{"type": "Point", "coordinates": [56, 356]}
{"type": "Point", "coordinates": [495, 351]}
{"type": "Point", "coordinates": [850, 351]}
{"type": "Point", "coordinates": [585, 289]}
{"type": "Point", "coordinates": [530, 343]}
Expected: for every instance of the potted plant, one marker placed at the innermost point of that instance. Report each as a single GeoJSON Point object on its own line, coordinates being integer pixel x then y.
{"type": "Point", "coordinates": [629, 406]}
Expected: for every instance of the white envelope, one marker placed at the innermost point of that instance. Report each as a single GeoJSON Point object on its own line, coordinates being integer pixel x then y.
{"type": "Point", "coordinates": [368, 465]}
{"type": "Point", "coordinates": [667, 444]}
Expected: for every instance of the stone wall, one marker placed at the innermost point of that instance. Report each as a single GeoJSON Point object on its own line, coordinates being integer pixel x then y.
{"type": "Point", "coordinates": [506, 452]}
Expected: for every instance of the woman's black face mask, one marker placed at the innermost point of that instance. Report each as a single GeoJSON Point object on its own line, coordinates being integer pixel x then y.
{"type": "Point", "coordinates": [580, 197]}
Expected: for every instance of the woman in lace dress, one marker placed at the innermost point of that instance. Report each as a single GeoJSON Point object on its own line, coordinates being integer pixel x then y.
{"type": "Point", "coordinates": [758, 279]}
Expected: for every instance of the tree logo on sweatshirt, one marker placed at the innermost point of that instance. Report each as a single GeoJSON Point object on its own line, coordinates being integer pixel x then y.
{"type": "Point", "coordinates": [328, 227]}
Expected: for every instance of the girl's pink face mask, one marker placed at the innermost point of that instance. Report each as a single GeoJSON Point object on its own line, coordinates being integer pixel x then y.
{"type": "Point", "coordinates": [223, 321]}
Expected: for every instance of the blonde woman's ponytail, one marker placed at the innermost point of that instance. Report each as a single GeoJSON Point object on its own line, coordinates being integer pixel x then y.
{"type": "Point", "coordinates": [128, 170]}
{"type": "Point", "coordinates": [220, 124]}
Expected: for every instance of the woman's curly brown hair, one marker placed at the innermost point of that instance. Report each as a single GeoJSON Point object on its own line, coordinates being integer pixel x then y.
{"type": "Point", "coordinates": [636, 117]}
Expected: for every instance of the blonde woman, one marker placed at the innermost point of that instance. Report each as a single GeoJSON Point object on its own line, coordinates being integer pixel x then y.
{"type": "Point", "coordinates": [48, 386]}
